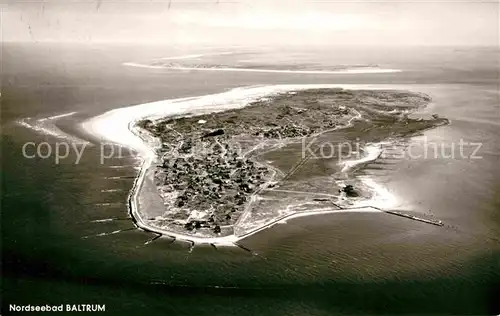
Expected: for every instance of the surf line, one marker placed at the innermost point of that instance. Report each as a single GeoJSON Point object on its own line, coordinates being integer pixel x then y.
{"type": "Point", "coordinates": [55, 117]}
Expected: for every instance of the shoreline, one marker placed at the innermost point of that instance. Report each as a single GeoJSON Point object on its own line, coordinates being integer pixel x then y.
{"type": "Point", "coordinates": [347, 71]}
{"type": "Point", "coordinates": [197, 105]}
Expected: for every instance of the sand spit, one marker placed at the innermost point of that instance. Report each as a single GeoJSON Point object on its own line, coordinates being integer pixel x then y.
{"type": "Point", "coordinates": [352, 71]}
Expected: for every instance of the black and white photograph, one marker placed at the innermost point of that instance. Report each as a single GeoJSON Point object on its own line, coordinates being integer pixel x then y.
{"type": "Point", "coordinates": [250, 157]}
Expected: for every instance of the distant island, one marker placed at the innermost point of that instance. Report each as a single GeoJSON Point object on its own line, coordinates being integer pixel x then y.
{"type": "Point", "coordinates": [225, 173]}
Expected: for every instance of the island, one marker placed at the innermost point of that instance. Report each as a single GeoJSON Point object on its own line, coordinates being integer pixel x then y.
{"type": "Point", "coordinates": [228, 173]}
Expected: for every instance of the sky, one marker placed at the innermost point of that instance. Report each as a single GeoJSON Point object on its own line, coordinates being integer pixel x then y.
{"type": "Point", "coordinates": [246, 22]}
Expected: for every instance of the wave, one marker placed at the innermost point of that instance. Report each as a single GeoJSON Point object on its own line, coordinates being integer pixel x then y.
{"type": "Point", "coordinates": [55, 117]}
{"type": "Point", "coordinates": [381, 198]}
{"type": "Point", "coordinates": [47, 126]}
